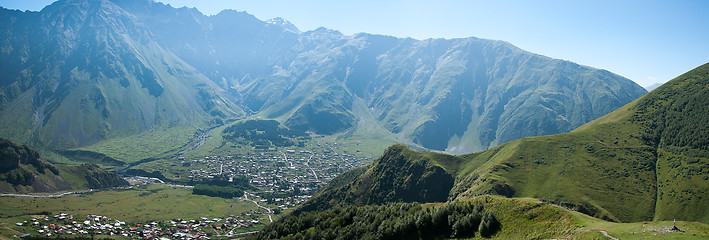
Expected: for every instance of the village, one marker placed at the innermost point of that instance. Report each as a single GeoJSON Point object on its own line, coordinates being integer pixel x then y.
{"type": "Point", "coordinates": [202, 228]}
{"type": "Point", "coordinates": [284, 178]}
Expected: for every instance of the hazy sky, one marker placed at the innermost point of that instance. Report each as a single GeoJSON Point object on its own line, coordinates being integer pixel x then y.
{"type": "Point", "coordinates": [647, 41]}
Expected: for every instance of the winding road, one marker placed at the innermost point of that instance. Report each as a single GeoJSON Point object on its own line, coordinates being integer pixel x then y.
{"type": "Point", "coordinates": [246, 197]}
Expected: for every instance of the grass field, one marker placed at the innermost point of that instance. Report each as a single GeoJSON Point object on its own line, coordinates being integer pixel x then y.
{"type": "Point", "coordinates": [528, 218]}
{"type": "Point", "coordinates": [639, 230]}
{"type": "Point", "coordinates": [152, 143]}
{"type": "Point", "coordinates": [357, 144]}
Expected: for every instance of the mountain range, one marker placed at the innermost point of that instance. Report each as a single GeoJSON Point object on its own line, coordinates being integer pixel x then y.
{"type": "Point", "coordinates": [81, 72]}
{"type": "Point", "coordinates": [648, 160]}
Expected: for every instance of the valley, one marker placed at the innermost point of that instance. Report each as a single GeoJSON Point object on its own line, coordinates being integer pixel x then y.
{"type": "Point", "coordinates": [280, 179]}
{"type": "Point", "coordinates": [134, 119]}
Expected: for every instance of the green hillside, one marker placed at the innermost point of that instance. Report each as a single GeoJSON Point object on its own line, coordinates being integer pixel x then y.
{"type": "Point", "coordinates": [514, 218]}
{"type": "Point", "coordinates": [646, 161]}
{"type": "Point", "coordinates": [23, 171]}
{"type": "Point", "coordinates": [399, 175]}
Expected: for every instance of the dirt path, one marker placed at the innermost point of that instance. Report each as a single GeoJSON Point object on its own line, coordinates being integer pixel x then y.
{"type": "Point", "coordinates": [604, 232]}
{"type": "Point", "coordinates": [44, 195]}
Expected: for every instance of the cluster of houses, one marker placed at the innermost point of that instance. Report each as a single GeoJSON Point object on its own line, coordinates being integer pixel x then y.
{"type": "Point", "coordinates": [292, 175]}
{"type": "Point", "coordinates": [202, 228]}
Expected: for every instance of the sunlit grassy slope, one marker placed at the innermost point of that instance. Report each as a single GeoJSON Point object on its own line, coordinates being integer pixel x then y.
{"type": "Point", "coordinates": [528, 218]}
{"type": "Point", "coordinates": [157, 142]}
{"type": "Point", "coordinates": [647, 160]}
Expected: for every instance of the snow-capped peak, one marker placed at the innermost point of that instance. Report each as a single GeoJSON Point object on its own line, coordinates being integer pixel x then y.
{"type": "Point", "coordinates": [285, 24]}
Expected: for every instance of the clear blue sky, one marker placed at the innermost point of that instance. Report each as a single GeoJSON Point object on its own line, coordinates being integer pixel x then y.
{"type": "Point", "coordinates": [647, 41]}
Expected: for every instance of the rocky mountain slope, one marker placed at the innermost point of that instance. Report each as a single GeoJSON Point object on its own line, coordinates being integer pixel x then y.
{"type": "Point", "coordinates": [83, 71]}
{"type": "Point", "coordinates": [80, 72]}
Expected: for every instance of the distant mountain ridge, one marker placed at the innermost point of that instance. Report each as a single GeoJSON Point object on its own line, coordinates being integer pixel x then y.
{"type": "Point", "coordinates": [653, 86]}
{"type": "Point", "coordinates": [80, 72]}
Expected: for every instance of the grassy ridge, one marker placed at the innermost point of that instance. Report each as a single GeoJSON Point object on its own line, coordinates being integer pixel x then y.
{"type": "Point", "coordinates": [527, 218]}
{"type": "Point", "coordinates": [676, 120]}
{"type": "Point", "coordinates": [401, 174]}
{"type": "Point", "coordinates": [611, 180]}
